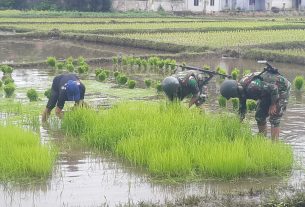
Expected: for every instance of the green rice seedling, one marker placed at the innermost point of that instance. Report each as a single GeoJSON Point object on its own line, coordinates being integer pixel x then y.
{"type": "Point", "coordinates": [6, 69]}
{"type": "Point", "coordinates": [22, 156]}
{"type": "Point", "coordinates": [1, 83]}
{"type": "Point", "coordinates": [70, 67]}
{"type": "Point", "coordinates": [246, 72]}
{"type": "Point", "coordinates": [116, 74]}
{"type": "Point", "coordinates": [107, 72]}
{"type": "Point", "coordinates": [299, 82]}
{"type": "Point", "coordinates": [102, 76]}
{"type": "Point", "coordinates": [9, 89]}
{"type": "Point", "coordinates": [115, 60]}
{"type": "Point", "coordinates": [131, 84]}
{"type": "Point", "coordinates": [81, 60]}
{"type": "Point", "coordinates": [159, 87]}
{"type": "Point", "coordinates": [144, 64]}
{"type": "Point", "coordinates": [138, 62]}
{"type": "Point", "coordinates": [47, 93]}
{"type": "Point", "coordinates": [125, 61]}
{"type": "Point", "coordinates": [206, 67]}
{"type": "Point", "coordinates": [235, 103]}
{"type": "Point", "coordinates": [51, 61]}
{"type": "Point", "coordinates": [122, 79]}
{"type": "Point", "coordinates": [60, 65]}
{"type": "Point", "coordinates": [32, 95]}
{"type": "Point", "coordinates": [98, 71]}
{"type": "Point", "coordinates": [235, 73]}
{"type": "Point", "coordinates": [222, 101]}
{"type": "Point", "coordinates": [251, 105]}
{"type": "Point", "coordinates": [8, 79]}
{"type": "Point", "coordinates": [148, 83]}
{"type": "Point", "coordinates": [69, 60]}
{"type": "Point", "coordinates": [172, 141]}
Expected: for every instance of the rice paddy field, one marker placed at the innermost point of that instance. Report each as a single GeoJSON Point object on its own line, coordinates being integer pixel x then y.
{"type": "Point", "coordinates": [129, 146]}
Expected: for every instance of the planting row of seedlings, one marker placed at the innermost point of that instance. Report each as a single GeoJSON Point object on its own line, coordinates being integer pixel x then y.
{"type": "Point", "coordinates": [190, 145]}
{"type": "Point", "coordinates": [153, 27]}
{"type": "Point", "coordinates": [222, 39]}
{"type": "Point", "coordinates": [151, 64]}
{"type": "Point", "coordinates": [80, 65]}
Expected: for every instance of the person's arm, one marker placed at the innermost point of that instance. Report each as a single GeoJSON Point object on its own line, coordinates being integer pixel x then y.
{"type": "Point", "coordinates": [272, 89]}
{"type": "Point", "coordinates": [242, 108]}
{"type": "Point", "coordinates": [50, 105]}
{"type": "Point", "coordinates": [60, 104]}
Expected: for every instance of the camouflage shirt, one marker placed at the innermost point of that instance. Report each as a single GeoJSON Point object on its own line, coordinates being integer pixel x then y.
{"type": "Point", "coordinates": [189, 84]}
{"type": "Point", "coordinates": [266, 85]}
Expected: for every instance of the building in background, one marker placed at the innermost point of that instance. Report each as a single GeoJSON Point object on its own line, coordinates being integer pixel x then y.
{"type": "Point", "coordinates": [208, 6]}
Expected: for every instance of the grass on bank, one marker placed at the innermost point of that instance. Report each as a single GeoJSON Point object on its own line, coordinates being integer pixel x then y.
{"type": "Point", "coordinates": [22, 156]}
{"type": "Point", "coordinates": [171, 141]}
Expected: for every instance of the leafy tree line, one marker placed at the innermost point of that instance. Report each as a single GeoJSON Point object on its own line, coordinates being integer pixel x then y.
{"type": "Point", "coordinates": [76, 5]}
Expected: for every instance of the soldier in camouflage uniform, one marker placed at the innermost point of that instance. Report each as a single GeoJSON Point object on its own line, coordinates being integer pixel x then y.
{"type": "Point", "coordinates": [185, 83]}
{"type": "Point", "coordinates": [271, 89]}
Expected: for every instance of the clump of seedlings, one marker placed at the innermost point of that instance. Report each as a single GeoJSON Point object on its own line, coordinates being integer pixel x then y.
{"type": "Point", "coordinates": [32, 95]}
{"type": "Point", "coordinates": [131, 84]}
{"type": "Point", "coordinates": [235, 73]}
{"type": "Point", "coordinates": [51, 61]}
{"type": "Point", "coordinates": [235, 103]}
{"type": "Point", "coordinates": [208, 145]}
{"type": "Point", "coordinates": [251, 105]}
{"type": "Point", "coordinates": [9, 89]}
{"type": "Point", "coordinates": [23, 156]}
{"type": "Point", "coordinates": [246, 72]}
{"type": "Point", "coordinates": [83, 67]}
{"type": "Point", "coordinates": [60, 65]}
{"type": "Point", "coordinates": [148, 83]}
{"type": "Point", "coordinates": [7, 80]}
{"type": "Point", "coordinates": [47, 93]}
{"type": "Point", "coordinates": [222, 101]}
{"type": "Point", "coordinates": [159, 87]}
{"type": "Point", "coordinates": [122, 79]}
{"type": "Point", "coordinates": [6, 69]}
{"type": "Point", "coordinates": [298, 82]}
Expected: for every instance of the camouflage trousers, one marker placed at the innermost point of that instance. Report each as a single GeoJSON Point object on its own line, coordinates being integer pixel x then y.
{"type": "Point", "coordinates": [262, 110]}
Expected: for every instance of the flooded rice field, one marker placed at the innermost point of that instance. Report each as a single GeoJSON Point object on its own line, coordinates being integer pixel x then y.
{"type": "Point", "coordinates": [35, 50]}
{"type": "Point", "coordinates": [85, 178]}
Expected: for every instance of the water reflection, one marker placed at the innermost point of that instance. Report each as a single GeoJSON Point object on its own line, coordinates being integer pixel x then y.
{"type": "Point", "coordinates": [83, 178]}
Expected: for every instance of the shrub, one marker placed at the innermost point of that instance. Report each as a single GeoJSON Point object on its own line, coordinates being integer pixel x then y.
{"type": "Point", "coordinates": [222, 101]}
{"type": "Point", "coordinates": [32, 95]}
{"type": "Point", "coordinates": [131, 84]}
{"type": "Point", "coordinates": [147, 83]}
{"type": "Point", "coordinates": [251, 105]}
{"type": "Point", "coordinates": [9, 89]}
{"type": "Point", "coordinates": [102, 76]}
{"type": "Point", "coordinates": [51, 61]}
{"type": "Point", "coordinates": [6, 69]}
{"type": "Point", "coordinates": [299, 82]}
{"type": "Point", "coordinates": [47, 93]}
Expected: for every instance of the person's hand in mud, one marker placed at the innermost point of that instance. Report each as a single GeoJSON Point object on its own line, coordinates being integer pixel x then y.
{"type": "Point", "coordinates": [59, 112]}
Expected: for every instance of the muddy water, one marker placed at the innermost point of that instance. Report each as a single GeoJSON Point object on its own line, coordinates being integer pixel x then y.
{"type": "Point", "coordinates": [83, 178]}
{"type": "Point", "coordinates": [19, 51]}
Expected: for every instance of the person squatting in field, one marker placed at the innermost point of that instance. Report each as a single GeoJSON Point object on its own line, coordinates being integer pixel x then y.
{"type": "Point", "coordinates": [270, 88]}
{"type": "Point", "coordinates": [65, 87]}
{"type": "Point", "coordinates": [186, 83]}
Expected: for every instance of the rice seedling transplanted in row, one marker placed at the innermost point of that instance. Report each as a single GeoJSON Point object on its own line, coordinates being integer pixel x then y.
{"type": "Point", "coordinates": [172, 141]}
{"type": "Point", "coordinates": [22, 156]}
